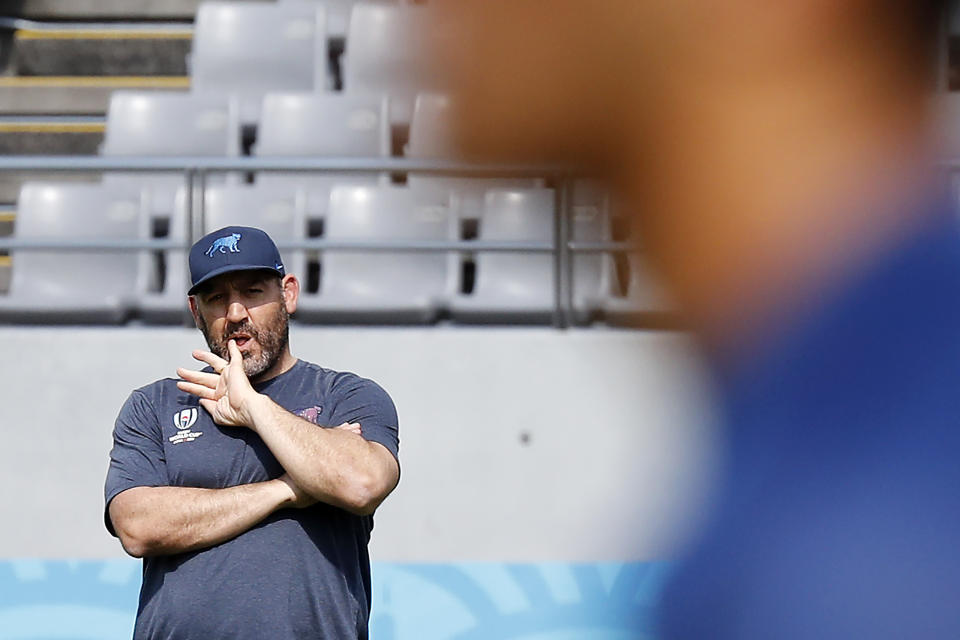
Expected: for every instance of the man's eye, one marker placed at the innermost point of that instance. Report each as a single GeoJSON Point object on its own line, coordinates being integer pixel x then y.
{"type": "Point", "coordinates": [254, 290]}
{"type": "Point", "coordinates": [215, 298]}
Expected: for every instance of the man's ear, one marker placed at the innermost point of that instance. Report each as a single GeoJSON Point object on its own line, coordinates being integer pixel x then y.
{"type": "Point", "coordinates": [290, 287]}
{"type": "Point", "coordinates": [194, 311]}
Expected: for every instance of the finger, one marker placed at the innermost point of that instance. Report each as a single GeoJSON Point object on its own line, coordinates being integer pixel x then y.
{"type": "Point", "coordinates": [198, 390]}
{"type": "Point", "coordinates": [235, 355]}
{"type": "Point", "coordinates": [211, 359]}
{"type": "Point", "coordinates": [209, 405]}
{"type": "Point", "coordinates": [200, 377]}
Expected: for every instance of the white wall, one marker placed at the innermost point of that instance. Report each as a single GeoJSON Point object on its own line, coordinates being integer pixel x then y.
{"type": "Point", "coordinates": [618, 422]}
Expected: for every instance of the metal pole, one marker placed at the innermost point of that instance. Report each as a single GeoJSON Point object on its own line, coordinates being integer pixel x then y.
{"type": "Point", "coordinates": [568, 257]}
{"type": "Point", "coordinates": [188, 239]}
{"type": "Point", "coordinates": [559, 254]}
{"type": "Point", "coordinates": [188, 185]}
{"type": "Point", "coordinates": [201, 218]}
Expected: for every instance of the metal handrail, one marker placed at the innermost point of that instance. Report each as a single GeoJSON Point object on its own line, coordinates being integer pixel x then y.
{"type": "Point", "coordinates": [318, 244]}
{"type": "Point", "coordinates": [197, 169]}
{"type": "Point", "coordinates": [181, 164]}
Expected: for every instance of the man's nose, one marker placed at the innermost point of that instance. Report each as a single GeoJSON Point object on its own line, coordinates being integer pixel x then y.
{"type": "Point", "coordinates": [236, 311]}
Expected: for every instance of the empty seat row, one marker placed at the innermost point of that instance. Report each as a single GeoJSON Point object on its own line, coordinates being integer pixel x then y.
{"type": "Point", "coordinates": [293, 125]}
{"type": "Point", "coordinates": [387, 287]}
{"type": "Point", "coordinates": [248, 49]}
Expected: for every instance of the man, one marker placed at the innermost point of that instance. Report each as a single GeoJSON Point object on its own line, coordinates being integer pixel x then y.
{"type": "Point", "coordinates": [252, 520]}
{"type": "Point", "coordinates": [777, 156]}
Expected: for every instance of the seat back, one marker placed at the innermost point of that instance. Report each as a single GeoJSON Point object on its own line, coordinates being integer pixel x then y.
{"type": "Point", "coordinates": [388, 50]}
{"type": "Point", "coordinates": [50, 211]}
{"type": "Point", "coordinates": [390, 214]}
{"type": "Point", "coordinates": [315, 124]}
{"type": "Point", "coordinates": [593, 273]}
{"type": "Point", "coordinates": [516, 215]}
{"type": "Point", "coordinates": [431, 137]}
{"type": "Point", "coordinates": [174, 123]}
{"type": "Point", "coordinates": [171, 123]}
{"type": "Point", "coordinates": [250, 48]}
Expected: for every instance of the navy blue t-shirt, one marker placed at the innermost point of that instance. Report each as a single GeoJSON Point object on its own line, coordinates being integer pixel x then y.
{"type": "Point", "coordinates": [839, 517]}
{"type": "Point", "coordinates": [300, 573]}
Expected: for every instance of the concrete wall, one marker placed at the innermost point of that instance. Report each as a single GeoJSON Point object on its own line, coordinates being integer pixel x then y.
{"type": "Point", "coordinates": [518, 445]}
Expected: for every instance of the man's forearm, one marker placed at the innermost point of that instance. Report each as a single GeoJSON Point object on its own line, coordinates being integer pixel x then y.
{"type": "Point", "coordinates": [165, 520]}
{"type": "Point", "coordinates": [332, 465]}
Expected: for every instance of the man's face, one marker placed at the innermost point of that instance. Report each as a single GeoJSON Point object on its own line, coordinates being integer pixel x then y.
{"type": "Point", "coordinates": [248, 307]}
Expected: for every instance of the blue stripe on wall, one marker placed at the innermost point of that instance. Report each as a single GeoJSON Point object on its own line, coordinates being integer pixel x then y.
{"type": "Point", "coordinates": [46, 599]}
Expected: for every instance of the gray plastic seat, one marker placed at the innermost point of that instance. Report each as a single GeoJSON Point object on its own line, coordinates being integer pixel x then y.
{"type": "Point", "coordinates": [328, 125]}
{"type": "Point", "coordinates": [512, 287]}
{"type": "Point", "coordinates": [593, 273]}
{"type": "Point", "coordinates": [382, 287]}
{"type": "Point", "coordinates": [338, 15]}
{"type": "Point", "coordinates": [67, 286]}
{"type": "Point", "coordinates": [645, 302]}
{"type": "Point", "coordinates": [249, 48]}
{"type": "Point", "coordinates": [431, 137]}
{"type": "Point", "coordinates": [163, 300]}
{"type": "Point", "coordinates": [388, 50]}
{"type": "Point", "coordinates": [174, 123]}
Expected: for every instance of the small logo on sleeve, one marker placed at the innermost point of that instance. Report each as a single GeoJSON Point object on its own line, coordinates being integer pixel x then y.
{"type": "Point", "coordinates": [182, 421]}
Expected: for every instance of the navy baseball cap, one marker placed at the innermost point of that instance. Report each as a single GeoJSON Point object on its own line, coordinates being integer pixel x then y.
{"type": "Point", "coordinates": [232, 249]}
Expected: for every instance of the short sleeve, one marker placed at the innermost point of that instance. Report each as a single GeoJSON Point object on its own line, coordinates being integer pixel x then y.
{"type": "Point", "coordinates": [137, 458]}
{"type": "Point", "coordinates": [364, 401]}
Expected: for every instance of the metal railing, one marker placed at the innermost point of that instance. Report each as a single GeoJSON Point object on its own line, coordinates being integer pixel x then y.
{"type": "Point", "coordinates": [197, 169]}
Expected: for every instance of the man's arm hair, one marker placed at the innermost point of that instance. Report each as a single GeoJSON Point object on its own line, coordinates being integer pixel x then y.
{"type": "Point", "coordinates": [333, 466]}
{"type": "Point", "coordinates": [153, 521]}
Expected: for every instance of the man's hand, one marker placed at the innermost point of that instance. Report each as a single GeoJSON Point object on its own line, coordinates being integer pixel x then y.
{"type": "Point", "coordinates": [299, 498]}
{"type": "Point", "coordinates": [225, 394]}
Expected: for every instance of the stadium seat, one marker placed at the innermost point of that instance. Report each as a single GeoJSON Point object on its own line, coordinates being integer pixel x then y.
{"type": "Point", "coordinates": [387, 51]}
{"type": "Point", "coordinates": [512, 287]}
{"type": "Point", "coordinates": [645, 302]}
{"type": "Point", "coordinates": [593, 273]}
{"type": "Point", "coordinates": [168, 124]}
{"type": "Point", "coordinates": [331, 125]}
{"type": "Point", "coordinates": [249, 48]}
{"type": "Point", "coordinates": [67, 286]}
{"type": "Point", "coordinates": [163, 298]}
{"type": "Point", "coordinates": [431, 138]}
{"type": "Point", "coordinates": [382, 287]}
{"type": "Point", "coordinates": [338, 15]}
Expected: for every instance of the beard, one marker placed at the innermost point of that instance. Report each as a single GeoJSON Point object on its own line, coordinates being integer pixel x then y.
{"type": "Point", "coordinates": [273, 338]}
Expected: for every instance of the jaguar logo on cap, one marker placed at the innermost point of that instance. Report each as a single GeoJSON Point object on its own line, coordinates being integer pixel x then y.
{"type": "Point", "coordinates": [224, 244]}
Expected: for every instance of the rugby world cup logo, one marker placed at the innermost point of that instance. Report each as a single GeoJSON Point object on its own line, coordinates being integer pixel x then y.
{"type": "Point", "coordinates": [185, 419]}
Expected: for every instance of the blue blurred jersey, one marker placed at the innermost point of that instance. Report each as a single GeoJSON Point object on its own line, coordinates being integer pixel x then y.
{"type": "Point", "coordinates": [839, 516]}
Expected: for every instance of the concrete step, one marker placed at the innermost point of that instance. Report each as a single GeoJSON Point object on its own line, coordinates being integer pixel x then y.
{"type": "Point", "coordinates": [64, 135]}
{"type": "Point", "coordinates": [74, 94]}
{"type": "Point", "coordinates": [101, 9]}
{"type": "Point", "coordinates": [39, 136]}
{"type": "Point", "coordinates": [105, 52]}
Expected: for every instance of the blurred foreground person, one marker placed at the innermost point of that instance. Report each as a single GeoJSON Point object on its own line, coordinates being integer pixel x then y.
{"type": "Point", "coordinates": [779, 160]}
